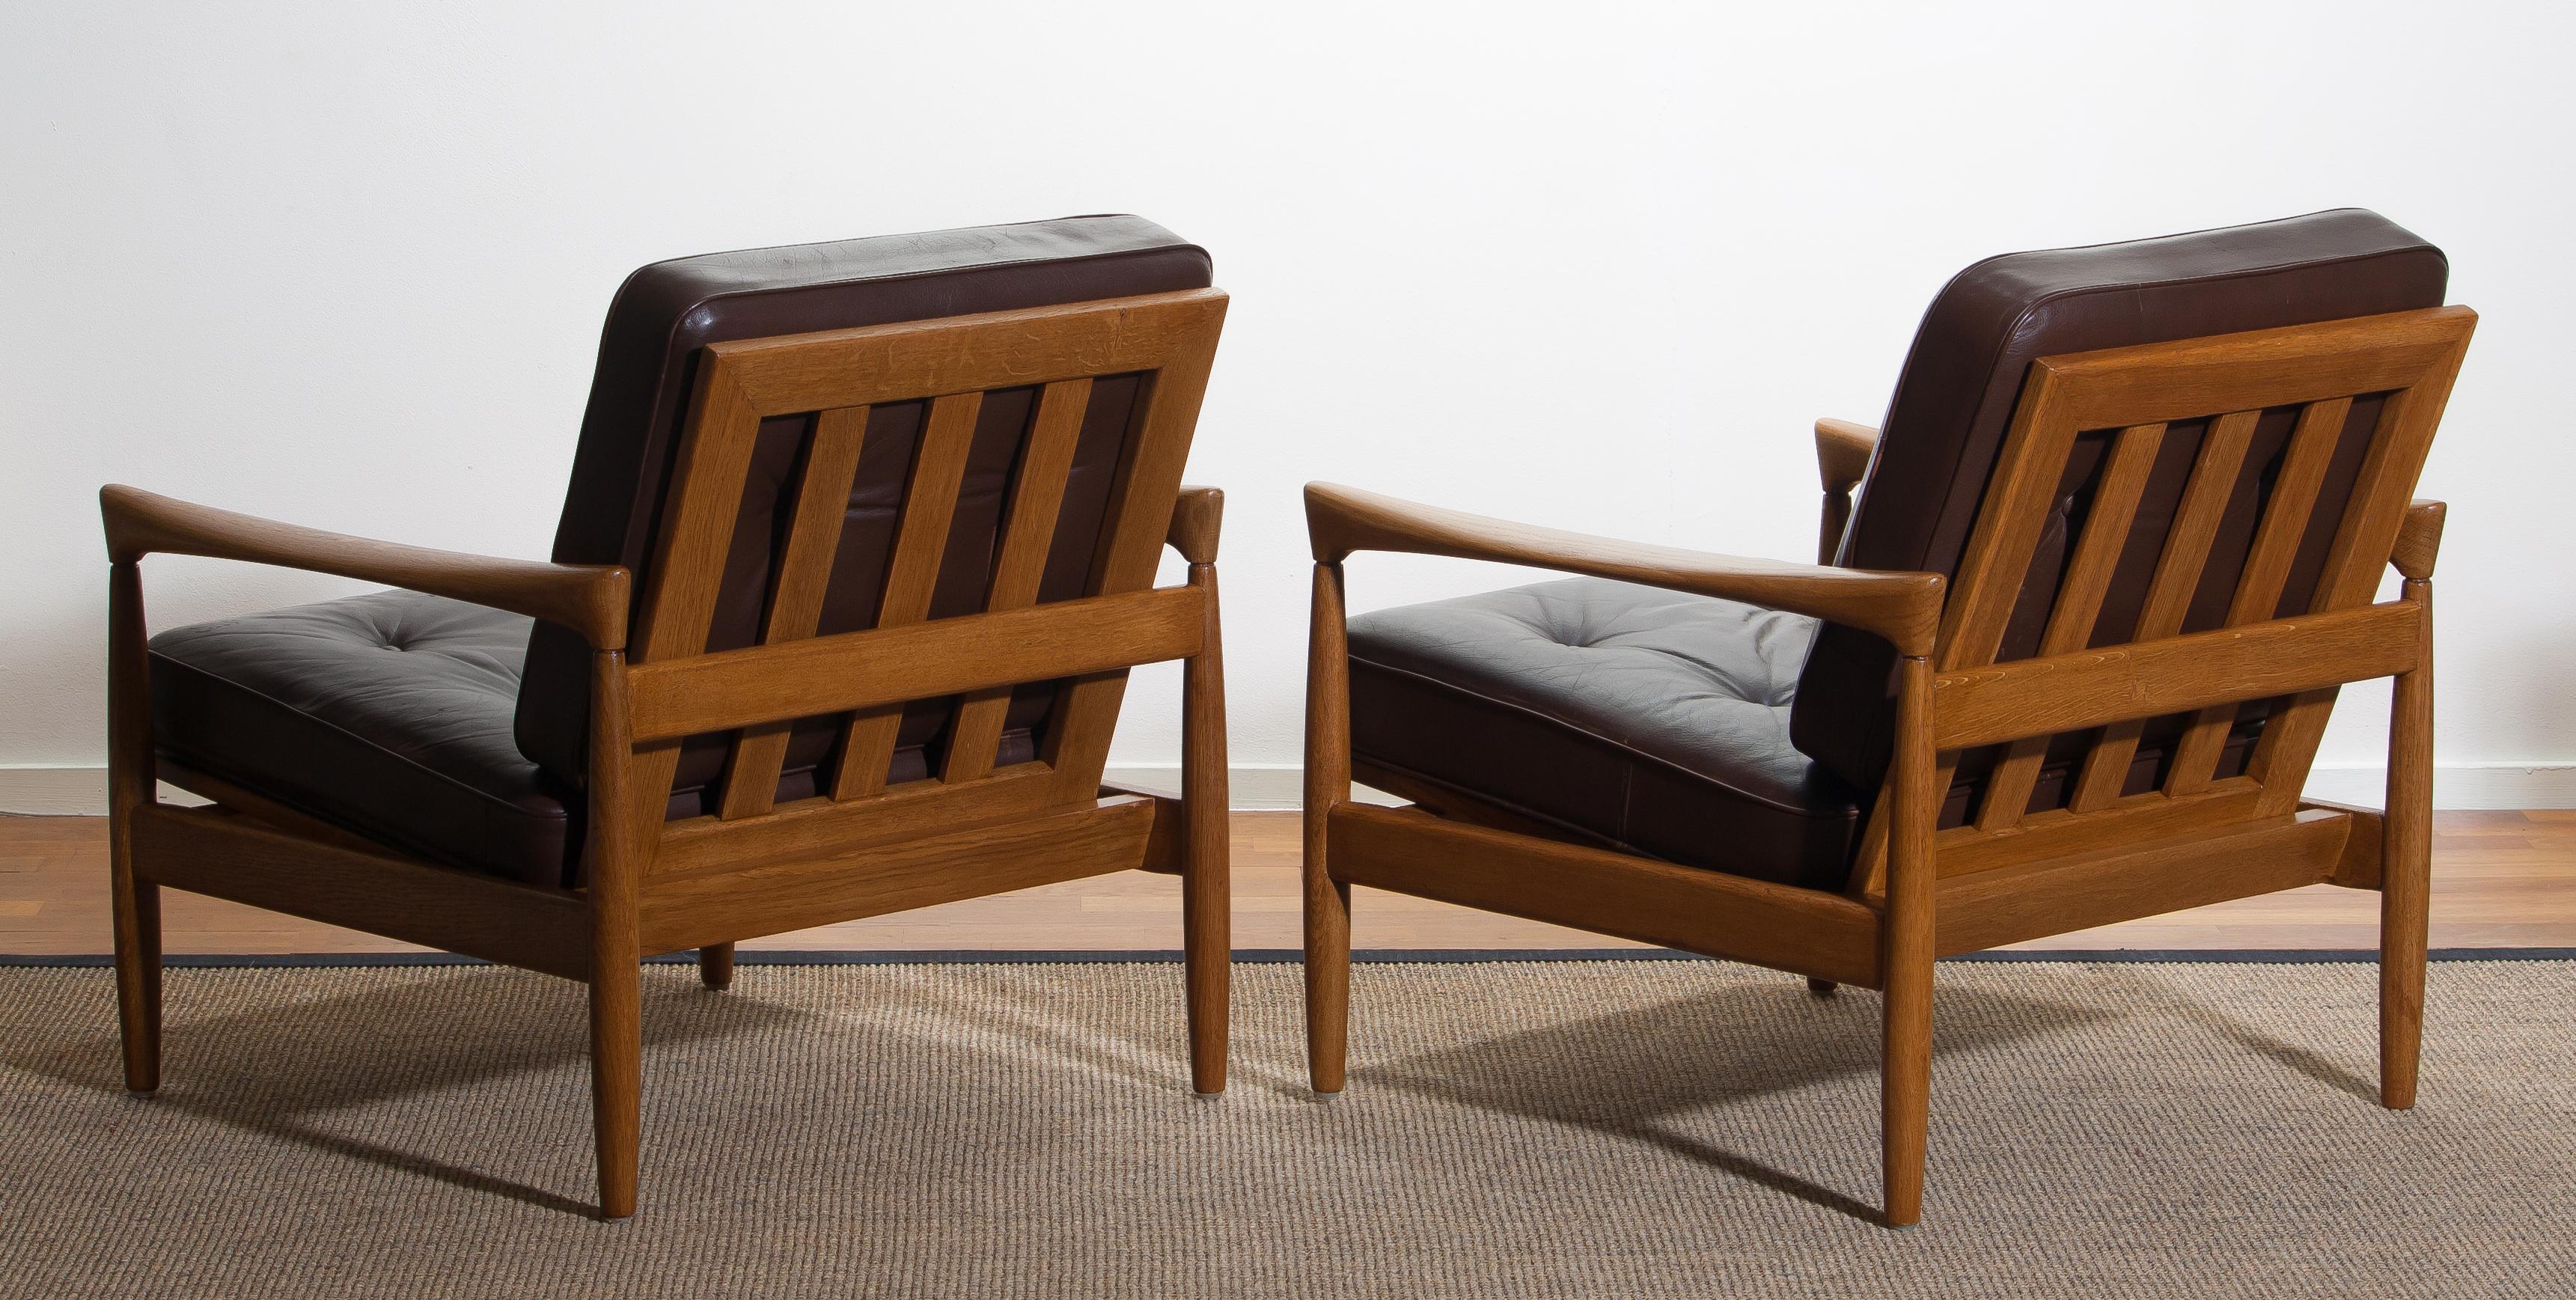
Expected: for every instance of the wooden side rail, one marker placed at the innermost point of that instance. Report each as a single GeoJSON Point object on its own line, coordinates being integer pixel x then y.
{"type": "Point", "coordinates": [2145, 679]}
{"type": "Point", "coordinates": [1903, 607]}
{"type": "Point", "coordinates": [589, 599]}
{"type": "Point", "coordinates": [1410, 851]}
{"type": "Point", "coordinates": [857, 670]}
{"type": "Point", "coordinates": [218, 852]}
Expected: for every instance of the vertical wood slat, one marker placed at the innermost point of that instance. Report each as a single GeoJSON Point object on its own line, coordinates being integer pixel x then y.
{"type": "Point", "coordinates": [2214, 473]}
{"type": "Point", "coordinates": [796, 608]}
{"type": "Point", "coordinates": [680, 593]}
{"type": "Point", "coordinates": [1991, 573]}
{"type": "Point", "coordinates": [2027, 470]}
{"type": "Point", "coordinates": [1037, 496]}
{"type": "Point", "coordinates": [2362, 546]}
{"type": "Point", "coordinates": [2267, 570]}
{"type": "Point", "coordinates": [2079, 604]}
{"type": "Point", "coordinates": [912, 577]}
{"type": "Point", "coordinates": [1138, 516]}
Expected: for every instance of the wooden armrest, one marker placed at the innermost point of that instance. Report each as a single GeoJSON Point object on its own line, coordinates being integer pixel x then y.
{"type": "Point", "coordinates": [1843, 450]}
{"type": "Point", "coordinates": [2419, 539]}
{"type": "Point", "coordinates": [1903, 607]}
{"type": "Point", "coordinates": [1195, 518]}
{"type": "Point", "coordinates": [589, 599]}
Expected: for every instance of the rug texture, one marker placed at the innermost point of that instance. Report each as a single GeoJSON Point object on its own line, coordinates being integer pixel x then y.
{"type": "Point", "coordinates": [1510, 1129]}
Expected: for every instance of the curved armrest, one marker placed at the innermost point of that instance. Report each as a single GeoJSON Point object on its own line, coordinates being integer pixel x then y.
{"type": "Point", "coordinates": [1195, 519]}
{"type": "Point", "coordinates": [1905, 608]}
{"type": "Point", "coordinates": [589, 599]}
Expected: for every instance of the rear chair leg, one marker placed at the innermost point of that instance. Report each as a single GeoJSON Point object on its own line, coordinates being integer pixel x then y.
{"type": "Point", "coordinates": [1207, 936]}
{"type": "Point", "coordinates": [715, 966]}
{"type": "Point", "coordinates": [2406, 860]}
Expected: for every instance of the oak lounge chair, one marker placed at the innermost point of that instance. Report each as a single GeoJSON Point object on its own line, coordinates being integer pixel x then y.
{"type": "Point", "coordinates": [888, 512]}
{"type": "Point", "coordinates": [2066, 665]}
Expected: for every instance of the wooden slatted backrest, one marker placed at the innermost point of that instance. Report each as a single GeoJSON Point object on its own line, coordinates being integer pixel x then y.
{"type": "Point", "coordinates": [969, 665]}
{"type": "Point", "coordinates": [2373, 387]}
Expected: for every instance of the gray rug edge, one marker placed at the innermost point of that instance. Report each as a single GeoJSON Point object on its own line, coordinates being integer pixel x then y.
{"type": "Point", "coordinates": [1282, 956]}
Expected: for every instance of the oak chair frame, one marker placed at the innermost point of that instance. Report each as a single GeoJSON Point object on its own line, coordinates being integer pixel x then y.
{"type": "Point", "coordinates": [859, 849]}
{"type": "Point", "coordinates": [1918, 892]}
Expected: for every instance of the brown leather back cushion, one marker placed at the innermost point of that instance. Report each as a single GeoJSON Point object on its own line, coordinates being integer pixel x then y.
{"type": "Point", "coordinates": [1964, 376]}
{"type": "Point", "coordinates": [630, 439]}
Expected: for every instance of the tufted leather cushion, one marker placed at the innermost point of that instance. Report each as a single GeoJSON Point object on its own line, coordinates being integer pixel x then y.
{"type": "Point", "coordinates": [1964, 375]}
{"type": "Point", "coordinates": [630, 439]}
{"type": "Point", "coordinates": [1639, 719]}
{"type": "Point", "coordinates": [387, 713]}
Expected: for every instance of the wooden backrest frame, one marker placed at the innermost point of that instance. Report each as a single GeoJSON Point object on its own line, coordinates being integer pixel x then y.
{"type": "Point", "coordinates": [673, 689]}
{"type": "Point", "coordinates": [2411, 357]}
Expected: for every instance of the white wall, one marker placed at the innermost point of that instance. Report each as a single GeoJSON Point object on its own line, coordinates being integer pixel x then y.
{"type": "Point", "coordinates": [1595, 265]}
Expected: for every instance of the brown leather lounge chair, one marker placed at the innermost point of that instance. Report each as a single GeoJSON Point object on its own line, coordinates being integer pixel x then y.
{"type": "Point", "coordinates": [2067, 664]}
{"type": "Point", "coordinates": [888, 511]}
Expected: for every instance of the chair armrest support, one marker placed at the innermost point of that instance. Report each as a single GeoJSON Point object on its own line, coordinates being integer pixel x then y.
{"type": "Point", "coordinates": [1196, 518]}
{"type": "Point", "coordinates": [589, 599]}
{"type": "Point", "coordinates": [2419, 539]}
{"type": "Point", "coordinates": [1905, 608]}
{"type": "Point", "coordinates": [1843, 450]}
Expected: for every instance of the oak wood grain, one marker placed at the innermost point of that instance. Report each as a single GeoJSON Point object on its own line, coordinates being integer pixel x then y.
{"type": "Point", "coordinates": [2499, 880]}
{"type": "Point", "coordinates": [589, 599]}
{"type": "Point", "coordinates": [1903, 607]}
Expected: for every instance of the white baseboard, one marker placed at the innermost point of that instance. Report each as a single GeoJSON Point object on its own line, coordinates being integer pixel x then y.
{"type": "Point", "coordinates": [82, 791]}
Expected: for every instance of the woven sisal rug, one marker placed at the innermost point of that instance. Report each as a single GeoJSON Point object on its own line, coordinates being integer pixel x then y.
{"type": "Point", "coordinates": [1511, 1129]}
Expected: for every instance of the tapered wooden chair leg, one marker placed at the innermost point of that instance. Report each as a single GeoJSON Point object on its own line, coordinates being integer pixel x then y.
{"type": "Point", "coordinates": [1207, 962]}
{"type": "Point", "coordinates": [715, 966]}
{"type": "Point", "coordinates": [134, 904]}
{"type": "Point", "coordinates": [1906, 947]}
{"type": "Point", "coordinates": [616, 1083]}
{"type": "Point", "coordinates": [1905, 1092]}
{"type": "Point", "coordinates": [1328, 983]}
{"type": "Point", "coordinates": [1328, 781]}
{"type": "Point", "coordinates": [2405, 886]}
{"type": "Point", "coordinates": [1207, 933]}
{"type": "Point", "coordinates": [137, 917]}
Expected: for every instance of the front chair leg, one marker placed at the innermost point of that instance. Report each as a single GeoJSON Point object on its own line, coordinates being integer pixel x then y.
{"type": "Point", "coordinates": [715, 966]}
{"type": "Point", "coordinates": [134, 903]}
{"type": "Point", "coordinates": [616, 1082]}
{"type": "Point", "coordinates": [137, 911]}
{"type": "Point", "coordinates": [1328, 781]}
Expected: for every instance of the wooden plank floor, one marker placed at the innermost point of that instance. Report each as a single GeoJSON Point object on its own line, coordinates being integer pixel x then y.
{"type": "Point", "coordinates": [2500, 880]}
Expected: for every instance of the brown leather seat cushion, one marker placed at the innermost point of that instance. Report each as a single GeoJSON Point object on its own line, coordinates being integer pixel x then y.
{"type": "Point", "coordinates": [387, 713]}
{"type": "Point", "coordinates": [1640, 719]}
